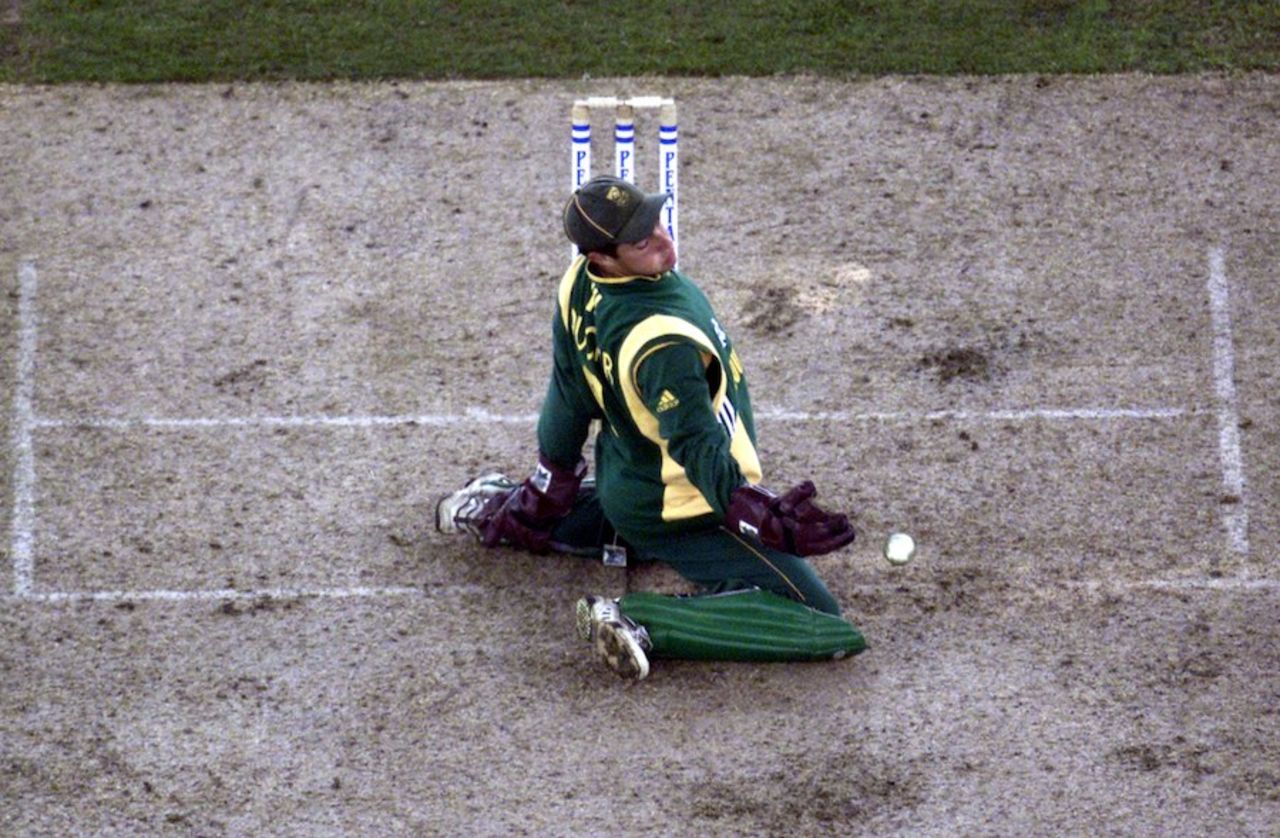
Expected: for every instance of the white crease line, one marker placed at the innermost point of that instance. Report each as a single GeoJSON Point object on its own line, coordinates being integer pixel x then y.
{"type": "Point", "coordinates": [1227, 585]}
{"type": "Point", "coordinates": [1235, 515]}
{"type": "Point", "coordinates": [476, 416]}
{"type": "Point", "coordinates": [1240, 583]}
{"type": "Point", "coordinates": [233, 595]}
{"type": "Point", "coordinates": [473, 416]}
{"type": "Point", "coordinates": [1085, 413]}
{"type": "Point", "coordinates": [24, 469]}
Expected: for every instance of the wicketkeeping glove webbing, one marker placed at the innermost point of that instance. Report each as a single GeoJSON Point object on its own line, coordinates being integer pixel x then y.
{"type": "Point", "coordinates": [791, 522]}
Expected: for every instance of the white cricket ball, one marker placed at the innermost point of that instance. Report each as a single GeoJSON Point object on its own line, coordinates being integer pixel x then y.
{"type": "Point", "coordinates": [899, 548]}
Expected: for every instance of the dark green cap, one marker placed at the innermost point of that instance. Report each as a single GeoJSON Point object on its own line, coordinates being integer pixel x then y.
{"type": "Point", "coordinates": [607, 210]}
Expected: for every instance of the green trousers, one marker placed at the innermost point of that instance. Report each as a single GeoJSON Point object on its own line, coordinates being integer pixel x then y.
{"type": "Point", "coordinates": [757, 603]}
{"type": "Point", "coordinates": [716, 560]}
{"type": "Point", "coordinates": [749, 625]}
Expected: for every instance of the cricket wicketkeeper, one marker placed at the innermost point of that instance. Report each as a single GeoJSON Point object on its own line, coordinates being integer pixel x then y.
{"type": "Point", "coordinates": [637, 347]}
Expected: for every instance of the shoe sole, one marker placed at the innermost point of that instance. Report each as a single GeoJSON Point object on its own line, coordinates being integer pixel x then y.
{"type": "Point", "coordinates": [621, 652]}
{"type": "Point", "coordinates": [439, 504]}
{"type": "Point", "coordinates": [582, 619]}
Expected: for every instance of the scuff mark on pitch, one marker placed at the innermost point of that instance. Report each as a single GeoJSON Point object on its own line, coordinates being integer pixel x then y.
{"type": "Point", "coordinates": [965, 362]}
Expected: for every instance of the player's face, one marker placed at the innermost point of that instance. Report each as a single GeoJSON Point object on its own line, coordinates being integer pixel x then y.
{"type": "Point", "coordinates": [652, 255]}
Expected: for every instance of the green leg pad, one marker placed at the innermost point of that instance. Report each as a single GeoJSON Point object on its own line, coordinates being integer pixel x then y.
{"type": "Point", "coordinates": [749, 625]}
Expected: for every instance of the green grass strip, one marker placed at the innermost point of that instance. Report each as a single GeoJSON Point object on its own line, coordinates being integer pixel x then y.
{"type": "Point", "coordinates": [222, 40]}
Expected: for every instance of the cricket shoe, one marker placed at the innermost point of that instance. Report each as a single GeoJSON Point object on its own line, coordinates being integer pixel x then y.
{"type": "Point", "coordinates": [459, 511]}
{"type": "Point", "coordinates": [619, 641]}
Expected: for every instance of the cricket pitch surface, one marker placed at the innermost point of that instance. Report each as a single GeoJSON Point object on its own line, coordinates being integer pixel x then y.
{"type": "Point", "coordinates": [249, 333]}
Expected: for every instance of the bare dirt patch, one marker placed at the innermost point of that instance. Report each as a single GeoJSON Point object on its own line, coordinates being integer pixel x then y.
{"type": "Point", "coordinates": [916, 273]}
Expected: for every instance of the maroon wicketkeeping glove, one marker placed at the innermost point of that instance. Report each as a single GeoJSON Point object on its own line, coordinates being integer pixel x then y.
{"type": "Point", "coordinates": [526, 516]}
{"type": "Point", "coordinates": [792, 523]}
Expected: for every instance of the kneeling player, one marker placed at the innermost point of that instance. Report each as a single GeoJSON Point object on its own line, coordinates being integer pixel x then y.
{"type": "Point", "coordinates": [637, 347]}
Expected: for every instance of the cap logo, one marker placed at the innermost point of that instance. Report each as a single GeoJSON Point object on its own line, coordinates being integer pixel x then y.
{"type": "Point", "coordinates": [617, 196]}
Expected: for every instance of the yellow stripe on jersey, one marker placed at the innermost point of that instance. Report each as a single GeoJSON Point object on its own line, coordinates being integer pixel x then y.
{"type": "Point", "coordinates": [680, 498]}
{"type": "Point", "coordinates": [566, 289]}
{"type": "Point", "coordinates": [597, 389]}
{"type": "Point", "coordinates": [652, 349]}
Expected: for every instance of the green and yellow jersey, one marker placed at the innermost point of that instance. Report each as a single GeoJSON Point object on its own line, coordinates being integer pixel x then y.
{"type": "Point", "coordinates": [646, 356]}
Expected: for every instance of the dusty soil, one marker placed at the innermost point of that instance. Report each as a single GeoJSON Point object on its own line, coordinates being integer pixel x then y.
{"type": "Point", "coordinates": [276, 321]}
